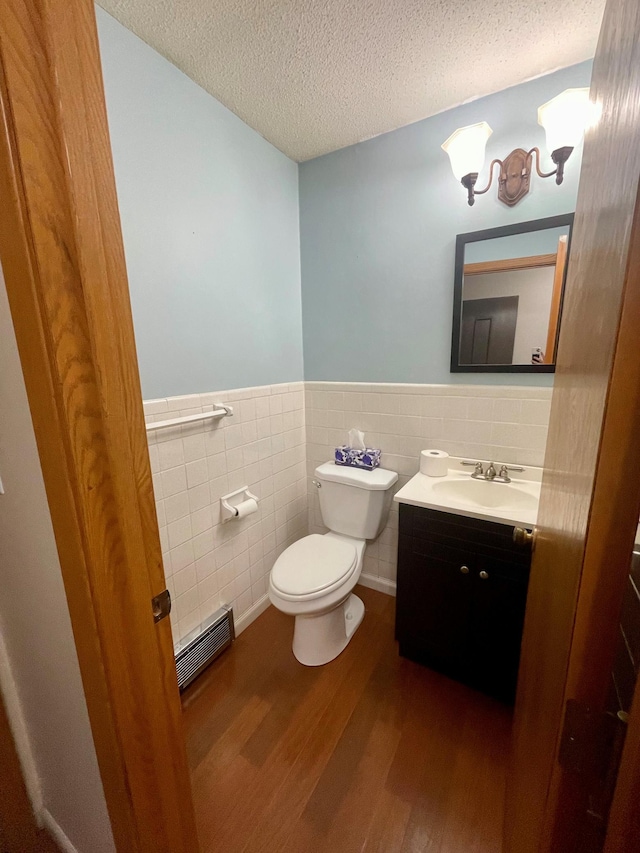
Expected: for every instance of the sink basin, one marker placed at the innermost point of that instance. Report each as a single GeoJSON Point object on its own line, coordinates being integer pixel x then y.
{"type": "Point", "coordinates": [514, 503]}
{"type": "Point", "coordinates": [481, 493]}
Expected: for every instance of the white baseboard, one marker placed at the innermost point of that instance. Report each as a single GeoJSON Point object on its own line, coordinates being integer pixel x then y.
{"type": "Point", "coordinates": [381, 584]}
{"type": "Point", "coordinates": [19, 730]}
{"type": "Point", "coordinates": [53, 828]}
{"type": "Point", "coordinates": [251, 614]}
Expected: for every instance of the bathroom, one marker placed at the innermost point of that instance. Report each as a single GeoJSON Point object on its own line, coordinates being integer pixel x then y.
{"type": "Point", "coordinates": [295, 287]}
{"type": "Point", "coordinates": [356, 339]}
{"type": "Point", "coordinates": [322, 285]}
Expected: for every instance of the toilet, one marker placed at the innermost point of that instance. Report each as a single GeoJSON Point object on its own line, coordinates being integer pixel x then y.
{"type": "Point", "coordinates": [313, 579]}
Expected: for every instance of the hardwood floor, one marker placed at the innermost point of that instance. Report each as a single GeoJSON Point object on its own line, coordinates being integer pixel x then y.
{"type": "Point", "coordinates": [368, 753]}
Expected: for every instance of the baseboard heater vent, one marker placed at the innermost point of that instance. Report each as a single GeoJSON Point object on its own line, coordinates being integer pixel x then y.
{"type": "Point", "coordinates": [214, 636]}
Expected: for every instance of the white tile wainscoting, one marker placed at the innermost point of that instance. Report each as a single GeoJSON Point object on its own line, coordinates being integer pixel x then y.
{"type": "Point", "coordinates": [499, 423]}
{"type": "Point", "coordinates": [261, 446]}
{"type": "Point", "coordinates": [266, 446]}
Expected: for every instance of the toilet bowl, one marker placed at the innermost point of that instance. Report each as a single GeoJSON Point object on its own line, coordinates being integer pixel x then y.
{"type": "Point", "coordinates": [313, 579]}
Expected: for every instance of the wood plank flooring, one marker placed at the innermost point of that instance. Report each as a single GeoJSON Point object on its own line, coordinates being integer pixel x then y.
{"type": "Point", "coordinates": [370, 753]}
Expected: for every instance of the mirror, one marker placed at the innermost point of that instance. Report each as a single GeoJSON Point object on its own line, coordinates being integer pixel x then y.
{"type": "Point", "coordinates": [509, 285]}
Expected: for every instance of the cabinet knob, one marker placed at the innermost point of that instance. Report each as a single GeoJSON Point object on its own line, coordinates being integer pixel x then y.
{"type": "Point", "coordinates": [464, 570]}
{"type": "Point", "coordinates": [484, 575]}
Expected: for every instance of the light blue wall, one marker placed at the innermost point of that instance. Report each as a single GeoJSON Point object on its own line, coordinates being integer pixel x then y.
{"type": "Point", "coordinates": [378, 225]}
{"type": "Point", "coordinates": [213, 240]}
{"type": "Point", "coordinates": [210, 222]}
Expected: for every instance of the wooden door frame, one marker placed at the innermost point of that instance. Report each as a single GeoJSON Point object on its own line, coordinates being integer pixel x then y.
{"type": "Point", "coordinates": [530, 262]}
{"type": "Point", "coordinates": [556, 301]}
{"type": "Point", "coordinates": [61, 250]}
{"type": "Point", "coordinates": [623, 830]}
{"type": "Point", "coordinates": [63, 260]}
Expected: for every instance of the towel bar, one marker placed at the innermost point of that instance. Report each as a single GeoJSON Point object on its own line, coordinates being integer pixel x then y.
{"type": "Point", "coordinates": [222, 412]}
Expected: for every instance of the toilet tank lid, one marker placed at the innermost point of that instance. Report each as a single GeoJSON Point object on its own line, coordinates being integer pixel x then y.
{"type": "Point", "coordinates": [377, 480]}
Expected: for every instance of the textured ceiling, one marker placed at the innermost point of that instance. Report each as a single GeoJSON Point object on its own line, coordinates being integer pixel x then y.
{"type": "Point", "coordinates": [315, 75]}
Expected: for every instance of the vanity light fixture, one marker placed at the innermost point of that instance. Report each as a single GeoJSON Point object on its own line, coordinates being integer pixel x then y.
{"type": "Point", "coordinates": [563, 118]}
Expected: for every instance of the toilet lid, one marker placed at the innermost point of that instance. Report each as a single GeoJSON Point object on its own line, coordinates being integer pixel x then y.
{"type": "Point", "coordinates": [312, 564]}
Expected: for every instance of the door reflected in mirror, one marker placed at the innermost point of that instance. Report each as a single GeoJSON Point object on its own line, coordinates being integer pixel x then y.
{"type": "Point", "coordinates": [508, 296]}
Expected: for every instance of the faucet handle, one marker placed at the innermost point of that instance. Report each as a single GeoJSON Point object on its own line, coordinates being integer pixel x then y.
{"type": "Point", "coordinates": [477, 465]}
{"type": "Point", "coordinates": [504, 472]}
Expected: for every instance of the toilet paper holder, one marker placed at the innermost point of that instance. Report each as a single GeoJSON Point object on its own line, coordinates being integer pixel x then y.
{"type": "Point", "coordinates": [230, 505]}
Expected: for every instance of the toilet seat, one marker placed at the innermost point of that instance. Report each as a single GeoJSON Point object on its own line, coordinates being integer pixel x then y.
{"type": "Point", "coordinates": [313, 566]}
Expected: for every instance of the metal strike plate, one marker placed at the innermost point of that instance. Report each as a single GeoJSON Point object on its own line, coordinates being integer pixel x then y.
{"type": "Point", "coordinates": [161, 605]}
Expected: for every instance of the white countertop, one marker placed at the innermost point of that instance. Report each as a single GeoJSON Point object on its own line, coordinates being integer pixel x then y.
{"type": "Point", "coordinates": [505, 503]}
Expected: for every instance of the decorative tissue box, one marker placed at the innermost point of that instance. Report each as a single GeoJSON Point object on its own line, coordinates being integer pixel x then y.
{"type": "Point", "coordinates": [368, 458]}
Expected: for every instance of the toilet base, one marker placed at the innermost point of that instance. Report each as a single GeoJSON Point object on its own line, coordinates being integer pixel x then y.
{"type": "Point", "coordinates": [319, 639]}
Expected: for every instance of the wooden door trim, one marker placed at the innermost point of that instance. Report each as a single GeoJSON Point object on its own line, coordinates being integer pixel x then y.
{"type": "Point", "coordinates": [62, 255]}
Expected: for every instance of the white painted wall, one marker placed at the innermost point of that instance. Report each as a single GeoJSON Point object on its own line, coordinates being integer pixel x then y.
{"type": "Point", "coordinates": [534, 288]}
{"type": "Point", "coordinates": [39, 672]}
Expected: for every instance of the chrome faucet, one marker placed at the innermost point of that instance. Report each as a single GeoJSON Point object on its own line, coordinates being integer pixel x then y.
{"type": "Point", "coordinates": [490, 475]}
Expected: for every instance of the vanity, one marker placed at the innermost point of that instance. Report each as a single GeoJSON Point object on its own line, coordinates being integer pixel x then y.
{"type": "Point", "coordinates": [462, 579]}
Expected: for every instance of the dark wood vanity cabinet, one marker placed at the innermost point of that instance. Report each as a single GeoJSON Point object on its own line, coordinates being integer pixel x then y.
{"type": "Point", "coordinates": [462, 590]}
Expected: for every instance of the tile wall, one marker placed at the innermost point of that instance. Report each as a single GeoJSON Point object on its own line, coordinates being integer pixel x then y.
{"type": "Point", "coordinates": [272, 444]}
{"type": "Point", "coordinates": [262, 446]}
{"type": "Point", "coordinates": [493, 423]}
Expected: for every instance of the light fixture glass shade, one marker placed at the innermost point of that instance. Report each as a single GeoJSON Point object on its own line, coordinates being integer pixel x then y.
{"type": "Point", "coordinates": [565, 118]}
{"type": "Point", "coordinates": [465, 148]}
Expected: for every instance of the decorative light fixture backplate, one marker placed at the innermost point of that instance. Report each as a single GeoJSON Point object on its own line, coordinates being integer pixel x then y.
{"type": "Point", "coordinates": [515, 176]}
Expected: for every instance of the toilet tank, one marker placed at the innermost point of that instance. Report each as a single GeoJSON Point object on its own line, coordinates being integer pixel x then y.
{"type": "Point", "coordinates": [353, 501]}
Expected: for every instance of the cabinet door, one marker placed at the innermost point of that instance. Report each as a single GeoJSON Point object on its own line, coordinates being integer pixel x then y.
{"type": "Point", "coordinates": [433, 608]}
{"type": "Point", "coordinates": [495, 628]}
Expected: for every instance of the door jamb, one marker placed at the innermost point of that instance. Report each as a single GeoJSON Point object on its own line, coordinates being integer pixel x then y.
{"type": "Point", "coordinates": [62, 254]}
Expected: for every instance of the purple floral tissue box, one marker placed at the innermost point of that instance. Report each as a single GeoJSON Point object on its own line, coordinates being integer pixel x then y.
{"type": "Point", "coordinates": [368, 458]}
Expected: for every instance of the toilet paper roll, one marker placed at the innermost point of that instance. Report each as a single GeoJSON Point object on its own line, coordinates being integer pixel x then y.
{"type": "Point", "coordinates": [434, 463]}
{"type": "Point", "coordinates": [245, 508]}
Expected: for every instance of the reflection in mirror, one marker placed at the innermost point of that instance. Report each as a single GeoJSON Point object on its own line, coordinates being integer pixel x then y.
{"type": "Point", "coordinates": [508, 299]}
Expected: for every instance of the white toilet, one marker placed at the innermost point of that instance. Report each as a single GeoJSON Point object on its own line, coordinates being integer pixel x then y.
{"type": "Point", "coordinates": [312, 580]}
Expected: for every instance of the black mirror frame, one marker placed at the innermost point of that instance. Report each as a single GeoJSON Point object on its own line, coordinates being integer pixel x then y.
{"type": "Point", "coordinates": [490, 234]}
